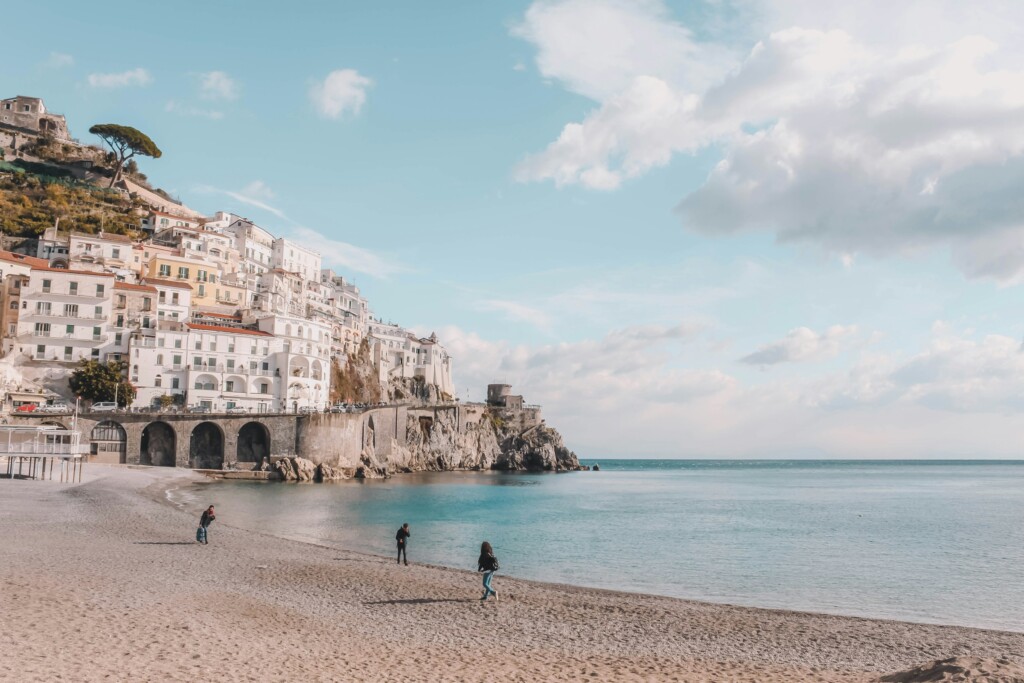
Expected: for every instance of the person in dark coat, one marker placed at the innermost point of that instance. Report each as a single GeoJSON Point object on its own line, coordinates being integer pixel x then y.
{"type": "Point", "coordinates": [403, 537]}
{"type": "Point", "coordinates": [204, 523]}
{"type": "Point", "coordinates": [488, 564]}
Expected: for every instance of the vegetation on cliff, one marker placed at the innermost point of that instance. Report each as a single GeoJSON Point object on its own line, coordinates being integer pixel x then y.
{"type": "Point", "coordinates": [31, 203]}
{"type": "Point", "coordinates": [356, 381]}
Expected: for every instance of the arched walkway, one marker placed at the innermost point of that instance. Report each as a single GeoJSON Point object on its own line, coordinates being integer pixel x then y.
{"type": "Point", "coordinates": [206, 447]}
{"type": "Point", "coordinates": [253, 443]}
{"type": "Point", "coordinates": [158, 445]}
{"type": "Point", "coordinates": [109, 442]}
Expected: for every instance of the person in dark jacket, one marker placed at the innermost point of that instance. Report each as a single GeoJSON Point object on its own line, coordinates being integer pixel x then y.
{"type": "Point", "coordinates": [402, 537]}
{"type": "Point", "coordinates": [488, 564]}
{"type": "Point", "coordinates": [204, 523]}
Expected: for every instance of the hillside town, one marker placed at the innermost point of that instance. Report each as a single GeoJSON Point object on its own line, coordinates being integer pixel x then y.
{"type": "Point", "coordinates": [206, 313]}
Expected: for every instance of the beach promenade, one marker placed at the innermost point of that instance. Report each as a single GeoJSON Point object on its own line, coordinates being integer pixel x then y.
{"type": "Point", "coordinates": [102, 581]}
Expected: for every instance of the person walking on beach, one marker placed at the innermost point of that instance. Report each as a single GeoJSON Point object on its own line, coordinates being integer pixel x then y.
{"type": "Point", "coordinates": [402, 537]}
{"type": "Point", "coordinates": [204, 523]}
{"type": "Point", "coordinates": [488, 564]}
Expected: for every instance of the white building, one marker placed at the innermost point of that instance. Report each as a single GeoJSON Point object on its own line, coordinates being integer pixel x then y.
{"type": "Point", "coordinates": [294, 258]}
{"type": "Point", "coordinates": [303, 358]}
{"type": "Point", "coordinates": [65, 315]}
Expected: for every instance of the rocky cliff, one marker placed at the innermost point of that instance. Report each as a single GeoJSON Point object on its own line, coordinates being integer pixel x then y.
{"type": "Point", "coordinates": [437, 443]}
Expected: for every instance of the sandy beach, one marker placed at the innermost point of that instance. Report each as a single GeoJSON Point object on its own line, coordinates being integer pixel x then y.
{"type": "Point", "coordinates": [103, 581]}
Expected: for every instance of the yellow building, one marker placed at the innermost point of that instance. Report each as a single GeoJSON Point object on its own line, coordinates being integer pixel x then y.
{"type": "Point", "coordinates": [209, 291]}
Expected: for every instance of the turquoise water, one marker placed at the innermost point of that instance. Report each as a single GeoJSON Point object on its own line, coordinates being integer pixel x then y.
{"type": "Point", "coordinates": [932, 541]}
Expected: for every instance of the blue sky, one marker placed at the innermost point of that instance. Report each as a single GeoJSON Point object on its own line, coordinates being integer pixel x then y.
{"type": "Point", "coordinates": [703, 229]}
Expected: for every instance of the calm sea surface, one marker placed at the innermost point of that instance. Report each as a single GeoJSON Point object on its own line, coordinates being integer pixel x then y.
{"type": "Point", "coordinates": [919, 541]}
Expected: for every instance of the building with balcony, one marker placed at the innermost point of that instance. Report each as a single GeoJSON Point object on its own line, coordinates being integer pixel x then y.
{"type": "Point", "coordinates": [65, 315]}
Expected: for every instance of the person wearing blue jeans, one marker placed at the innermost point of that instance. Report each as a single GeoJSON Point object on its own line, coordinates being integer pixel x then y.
{"type": "Point", "coordinates": [488, 564]}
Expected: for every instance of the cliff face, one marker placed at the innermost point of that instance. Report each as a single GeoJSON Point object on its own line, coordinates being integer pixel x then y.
{"type": "Point", "coordinates": [437, 444]}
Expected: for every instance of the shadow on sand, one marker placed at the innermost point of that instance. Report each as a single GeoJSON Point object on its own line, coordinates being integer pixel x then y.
{"type": "Point", "coordinates": [418, 601]}
{"type": "Point", "coordinates": [165, 542]}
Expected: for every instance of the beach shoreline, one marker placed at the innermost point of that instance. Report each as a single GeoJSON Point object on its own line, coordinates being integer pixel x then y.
{"type": "Point", "coordinates": [110, 562]}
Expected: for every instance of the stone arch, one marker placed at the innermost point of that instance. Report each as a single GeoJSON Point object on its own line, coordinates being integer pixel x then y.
{"type": "Point", "coordinates": [298, 366]}
{"type": "Point", "coordinates": [53, 423]}
{"type": "Point", "coordinates": [318, 370]}
{"type": "Point", "coordinates": [238, 384]}
{"type": "Point", "coordinates": [159, 445]}
{"type": "Point", "coordinates": [206, 382]}
{"type": "Point", "coordinates": [253, 442]}
{"type": "Point", "coordinates": [108, 442]}
{"type": "Point", "coordinates": [206, 447]}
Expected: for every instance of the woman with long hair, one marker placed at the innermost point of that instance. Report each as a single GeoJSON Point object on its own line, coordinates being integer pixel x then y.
{"type": "Point", "coordinates": [488, 564]}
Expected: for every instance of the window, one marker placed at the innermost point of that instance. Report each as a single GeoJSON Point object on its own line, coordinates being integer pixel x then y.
{"type": "Point", "coordinates": [67, 352]}
{"type": "Point", "coordinates": [122, 301]}
{"type": "Point", "coordinates": [264, 388]}
{"type": "Point", "coordinates": [213, 344]}
{"type": "Point", "coordinates": [119, 320]}
{"type": "Point", "coordinates": [229, 385]}
{"type": "Point", "coordinates": [98, 311]}
{"type": "Point", "coordinates": [73, 289]}
{"type": "Point", "coordinates": [69, 330]}
{"type": "Point", "coordinates": [96, 335]}
{"type": "Point", "coordinates": [99, 290]}
{"type": "Point", "coordinates": [160, 359]}
{"type": "Point", "coordinates": [147, 303]}
{"type": "Point", "coordinates": [202, 290]}
{"type": "Point", "coordinates": [42, 329]}
{"type": "Point", "coordinates": [231, 347]}
{"type": "Point", "coordinates": [42, 307]}
{"type": "Point", "coordinates": [175, 383]}
{"type": "Point", "coordinates": [177, 343]}
{"type": "Point", "coordinates": [231, 363]}
{"type": "Point", "coordinates": [199, 345]}
{"type": "Point", "coordinates": [158, 381]}
{"type": "Point", "coordinates": [146, 322]}
{"type": "Point", "coordinates": [174, 297]}
{"type": "Point", "coordinates": [117, 339]}
{"type": "Point", "coordinates": [14, 305]}
{"type": "Point", "coordinates": [41, 351]}
{"type": "Point", "coordinates": [116, 253]}
{"type": "Point", "coordinates": [88, 247]}
{"type": "Point", "coordinates": [163, 297]}
{"type": "Point", "coordinates": [182, 273]}
{"type": "Point", "coordinates": [165, 270]}
{"type": "Point", "coordinates": [201, 276]}
{"type": "Point", "coordinates": [197, 362]}
{"type": "Point", "coordinates": [47, 284]}
{"type": "Point", "coordinates": [176, 360]}
{"type": "Point", "coordinates": [95, 354]}
{"type": "Point", "coordinates": [266, 366]}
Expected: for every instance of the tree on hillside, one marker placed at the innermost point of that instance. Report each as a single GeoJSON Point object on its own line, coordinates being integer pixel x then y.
{"type": "Point", "coordinates": [125, 142]}
{"type": "Point", "coordinates": [96, 381]}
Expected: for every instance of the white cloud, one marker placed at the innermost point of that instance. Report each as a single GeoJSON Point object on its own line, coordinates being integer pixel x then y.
{"type": "Point", "coordinates": [124, 79]}
{"type": "Point", "coordinates": [59, 60]}
{"type": "Point", "coordinates": [347, 256]}
{"type": "Point", "coordinates": [176, 107]}
{"type": "Point", "coordinates": [802, 344]}
{"type": "Point", "coordinates": [831, 133]}
{"type": "Point", "coordinates": [217, 85]}
{"type": "Point", "coordinates": [343, 91]}
{"type": "Point", "coordinates": [256, 194]}
{"type": "Point", "coordinates": [518, 312]}
{"type": "Point", "coordinates": [628, 395]}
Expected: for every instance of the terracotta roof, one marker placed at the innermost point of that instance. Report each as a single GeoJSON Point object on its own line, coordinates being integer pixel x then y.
{"type": "Point", "coordinates": [133, 287]}
{"type": "Point", "coordinates": [22, 258]}
{"type": "Point", "coordinates": [166, 283]}
{"type": "Point", "coordinates": [73, 272]}
{"type": "Point", "coordinates": [229, 330]}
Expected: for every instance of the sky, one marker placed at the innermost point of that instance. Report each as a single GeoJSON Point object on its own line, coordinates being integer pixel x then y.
{"type": "Point", "coordinates": [708, 229]}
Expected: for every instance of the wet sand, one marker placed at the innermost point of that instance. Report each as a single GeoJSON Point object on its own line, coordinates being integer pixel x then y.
{"type": "Point", "coordinates": [103, 581]}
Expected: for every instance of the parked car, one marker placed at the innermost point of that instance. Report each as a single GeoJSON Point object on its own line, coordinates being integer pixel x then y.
{"type": "Point", "coordinates": [103, 407]}
{"type": "Point", "coordinates": [338, 408]}
{"type": "Point", "coordinates": [307, 410]}
{"type": "Point", "coordinates": [236, 411]}
{"type": "Point", "coordinates": [26, 408]}
{"type": "Point", "coordinates": [55, 408]}
{"type": "Point", "coordinates": [199, 409]}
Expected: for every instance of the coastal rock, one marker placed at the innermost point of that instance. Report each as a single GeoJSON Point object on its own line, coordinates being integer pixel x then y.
{"type": "Point", "coordinates": [284, 467]}
{"type": "Point", "coordinates": [325, 472]}
{"type": "Point", "coordinates": [305, 470]}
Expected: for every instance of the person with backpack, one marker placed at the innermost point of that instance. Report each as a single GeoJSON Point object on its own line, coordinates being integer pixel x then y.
{"type": "Point", "coordinates": [204, 523]}
{"type": "Point", "coordinates": [402, 536]}
{"type": "Point", "coordinates": [488, 564]}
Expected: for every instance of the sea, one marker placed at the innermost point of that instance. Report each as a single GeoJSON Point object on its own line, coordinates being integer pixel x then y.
{"type": "Point", "coordinates": [924, 541]}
